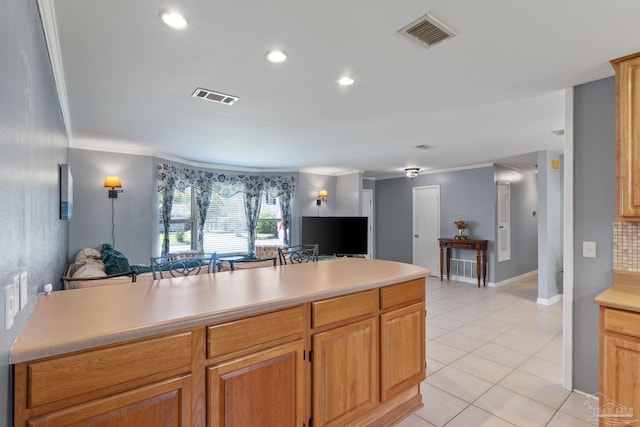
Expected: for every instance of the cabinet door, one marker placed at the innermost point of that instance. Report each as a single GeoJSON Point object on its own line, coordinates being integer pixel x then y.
{"type": "Point", "coordinates": [345, 372]}
{"type": "Point", "coordinates": [402, 349]}
{"type": "Point", "coordinates": [620, 378]}
{"type": "Point", "coordinates": [265, 389]}
{"type": "Point", "coordinates": [628, 136]}
{"type": "Point", "coordinates": [162, 404]}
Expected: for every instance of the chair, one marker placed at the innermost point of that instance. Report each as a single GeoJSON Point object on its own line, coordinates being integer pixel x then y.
{"type": "Point", "coordinates": [298, 254]}
{"type": "Point", "coordinates": [182, 266]}
{"type": "Point", "coordinates": [241, 264]}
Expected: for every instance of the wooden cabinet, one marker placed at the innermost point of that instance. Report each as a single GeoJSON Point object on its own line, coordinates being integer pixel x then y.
{"type": "Point", "coordinates": [258, 374]}
{"type": "Point", "coordinates": [167, 403]}
{"type": "Point", "coordinates": [345, 373]}
{"type": "Point", "coordinates": [126, 384]}
{"type": "Point", "coordinates": [266, 388]}
{"type": "Point", "coordinates": [628, 136]}
{"type": "Point", "coordinates": [368, 355]}
{"type": "Point", "coordinates": [402, 355]}
{"type": "Point", "coordinates": [619, 362]}
{"type": "Point", "coordinates": [352, 359]}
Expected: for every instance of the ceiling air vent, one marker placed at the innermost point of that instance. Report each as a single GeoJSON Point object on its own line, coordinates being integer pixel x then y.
{"type": "Point", "coordinates": [210, 95]}
{"type": "Point", "coordinates": [427, 31]}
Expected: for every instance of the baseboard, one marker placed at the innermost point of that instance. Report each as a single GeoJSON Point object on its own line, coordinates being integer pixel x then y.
{"type": "Point", "coordinates": [512, 279]}
{"type": "Point", "coordinates": [549, 301]}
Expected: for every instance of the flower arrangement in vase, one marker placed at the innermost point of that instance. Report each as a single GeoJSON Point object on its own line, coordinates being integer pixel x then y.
{"type": "Point", "coordinates": [462, 226]}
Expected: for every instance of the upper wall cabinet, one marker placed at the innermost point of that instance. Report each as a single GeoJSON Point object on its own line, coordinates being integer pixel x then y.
{"type": "Point", "coordinates": [628, 137]}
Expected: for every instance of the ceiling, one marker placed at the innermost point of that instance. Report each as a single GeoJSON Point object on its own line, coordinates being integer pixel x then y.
{"type": "Point", "coordinates": [494, 91]}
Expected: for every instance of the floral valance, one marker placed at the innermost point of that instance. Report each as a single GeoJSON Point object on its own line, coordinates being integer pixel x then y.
{"type": "Point", "coordinates": [170, 176]}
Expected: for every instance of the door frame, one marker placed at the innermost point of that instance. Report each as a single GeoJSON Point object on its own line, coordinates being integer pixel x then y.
{"type": "Point", "coordinates": [371, 247]}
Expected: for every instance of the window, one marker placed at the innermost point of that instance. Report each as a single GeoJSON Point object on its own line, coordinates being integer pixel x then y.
{"type": "Point", "coordinates": [270, 231]}
{"type": "Point", "coordinates": [504, 222]}
{"type": "Point", "coordinates": [182, 230]}
{"type": "Point", "coordinates": [225, 229]}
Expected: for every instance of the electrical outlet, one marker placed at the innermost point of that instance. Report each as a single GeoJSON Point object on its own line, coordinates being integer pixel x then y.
{"type": "Point", "coordinates": [23, 290]}
{"type": "Point", "coordinates": [9, 306]}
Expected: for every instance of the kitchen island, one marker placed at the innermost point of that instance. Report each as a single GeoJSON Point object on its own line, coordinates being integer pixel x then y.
{"type": "Point", "coordinates": [334, 342]}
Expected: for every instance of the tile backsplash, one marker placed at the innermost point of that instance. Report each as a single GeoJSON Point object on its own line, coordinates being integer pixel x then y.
{"type": "Point", "coordinates": [626, 246]}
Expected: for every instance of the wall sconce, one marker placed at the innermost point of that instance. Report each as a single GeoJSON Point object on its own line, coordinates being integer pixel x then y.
{"type": "Point", "coordinates": [411, 172]}
{"type": "Point", "coordinates": [322, 197]}
{"type": "Point", "coordinates": [113, 182]}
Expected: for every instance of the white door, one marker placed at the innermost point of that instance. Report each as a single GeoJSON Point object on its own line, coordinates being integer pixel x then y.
{"type": "Point", "coordinates": [426, 227]}
{"type": "Point", "coordinates": [367, 210]}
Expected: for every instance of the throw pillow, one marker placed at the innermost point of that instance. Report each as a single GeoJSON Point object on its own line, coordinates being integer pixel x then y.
{"type": "Point", "coordinates": [114, 261]}
{"type": "Point", "coordinates": [87, 253]}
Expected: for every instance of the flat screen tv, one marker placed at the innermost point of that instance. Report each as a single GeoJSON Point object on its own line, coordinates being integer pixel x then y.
{"type": "Point", "coordinates": [336, 235]}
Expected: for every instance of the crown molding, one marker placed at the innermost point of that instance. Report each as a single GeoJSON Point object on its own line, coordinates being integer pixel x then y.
{"type": "Point", "coordinates": [50, 27]}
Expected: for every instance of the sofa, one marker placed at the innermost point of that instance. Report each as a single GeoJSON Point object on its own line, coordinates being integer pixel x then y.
{"type": "Point", "coordinates": [92, 267]}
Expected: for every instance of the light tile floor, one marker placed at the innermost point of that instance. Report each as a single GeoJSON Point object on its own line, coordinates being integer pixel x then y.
{"type": "Point", "coordinates": [494, 358]}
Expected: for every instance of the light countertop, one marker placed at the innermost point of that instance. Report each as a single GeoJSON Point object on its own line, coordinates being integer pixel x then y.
{"type": "Point", "coordinates": [624, 294]}
{"type": "Point", "coordinates": [79, 319]}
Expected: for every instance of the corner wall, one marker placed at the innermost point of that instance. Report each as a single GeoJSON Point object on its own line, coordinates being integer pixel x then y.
{"type": "Point", "coordinates": [133, 211]}
{"type": "Point", "coordinates": [34, 143]}
{"type": "Point", "coordinates": [594, 213]}
{"type": "Point", "coordinates": [464, 194]}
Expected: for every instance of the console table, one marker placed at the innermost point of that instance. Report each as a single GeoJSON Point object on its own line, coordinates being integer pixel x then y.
{"type": "Point", "coordinates": [480, 246]}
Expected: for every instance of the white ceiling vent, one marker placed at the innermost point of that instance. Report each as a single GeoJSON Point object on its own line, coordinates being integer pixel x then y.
{"type": "Point", "coordinates": [210, 95]}
{"type": "Point", "coordinates": [427, 31]}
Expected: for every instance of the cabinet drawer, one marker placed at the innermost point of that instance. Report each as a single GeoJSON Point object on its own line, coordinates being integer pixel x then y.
{"type": "Point", "coordinates": [254, 333]}
{"type": "Point", "coordinates": [622, 322]}
{"type": "Point", "coordinates": [402, 293]}
{"type": "Point", "coordinates": [342, 308]}
{"type": "Point", "coordinates": [64, 377]}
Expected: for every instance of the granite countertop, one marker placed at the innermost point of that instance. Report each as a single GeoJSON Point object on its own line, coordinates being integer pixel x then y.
{"type": "Point", "coordinates": [624, 294]}
{"type": "Point", "coordinates": [80, 319]}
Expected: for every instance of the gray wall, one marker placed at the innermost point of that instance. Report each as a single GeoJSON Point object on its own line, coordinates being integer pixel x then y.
{"type": "Point", "coordinates": [135, 209]}
{"type": "Point", "coordinates": [464, 194]}
{"type": "Point", "coordinates": [349, 194]}
{"type": "Point", "coordinates": [549, 226]}
{"type": "Point", "coordinates": [33, 143]}
{"type": "Point", "coordinates": [595, 200]}
{"type": "Point", "coordinates": [134, 215]}
{"type": "Point", "coordinates": [524, 225]}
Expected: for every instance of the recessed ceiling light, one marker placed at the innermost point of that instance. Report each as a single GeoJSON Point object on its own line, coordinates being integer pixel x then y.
{"type": "Point", "coordinates": [345, 81]}
{"type": "Point", "coordinates": [276, 56]}
{"type": "Point", "coordinates": [174, 20]}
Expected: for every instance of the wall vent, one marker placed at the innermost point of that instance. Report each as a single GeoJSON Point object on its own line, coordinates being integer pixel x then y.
{"type": "Point", "coordinates": [212, 96]}
{"type": "Point", "coordinates": [427, 31]}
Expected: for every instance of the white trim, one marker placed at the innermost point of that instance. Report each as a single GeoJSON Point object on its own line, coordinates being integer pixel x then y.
{"type": "Point", "coordinates": [568, 264]}
{"type": "Point", "coordinates": [548, 301]}
{"type": "Point", "coordinates": [512, 279]}
{"type": "Point", "coordinates": [48, 17]}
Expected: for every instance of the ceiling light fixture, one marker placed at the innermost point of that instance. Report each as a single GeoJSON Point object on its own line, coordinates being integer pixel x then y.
{"type": "Point", "coordinates": [411, 172]}
{"type": "Point", "coordinates": [174, 20]}
{"type": "Point", "coordinates": [345, 81]}
{"type": "Point", "coordinates": [276, 56]}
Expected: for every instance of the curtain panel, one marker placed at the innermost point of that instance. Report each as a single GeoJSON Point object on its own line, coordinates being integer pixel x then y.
{"type": "Point", "coordinates": [170, 178]}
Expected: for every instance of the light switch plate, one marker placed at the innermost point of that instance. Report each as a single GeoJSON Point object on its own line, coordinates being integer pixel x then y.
{"type": "Point", "coordinates": [589, 249]}
{"type": "Point", "coordinates": [9, 304]}
{"type": "Point", "coordinates": [16, 286]}
{"type": "Point", "coordinates": [23, 290]}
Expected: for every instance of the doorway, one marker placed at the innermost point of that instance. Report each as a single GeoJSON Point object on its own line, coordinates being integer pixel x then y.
{"type": "Point", "coordinates": [367, 210]}
{"type": "Point", "coordinates": [426, 227]}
